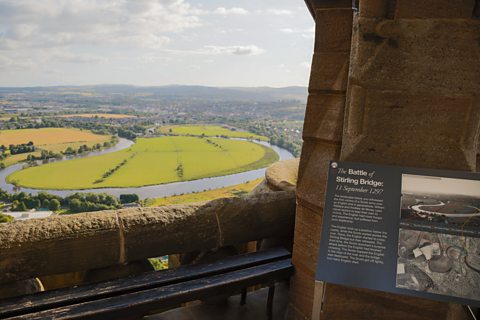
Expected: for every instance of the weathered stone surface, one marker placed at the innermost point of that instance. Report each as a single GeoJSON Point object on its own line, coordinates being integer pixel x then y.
{"type": "Point", "coordinates": [333, 29]}
{"type": "Point", "coordinates": [324, 120]}
{"type": "Point", "coordinates": [437, 9]}
{"type": "Point", "coordinates": [411, 78]}
{"type": "Point", "coordinates": [420, 138]}
{"type": "Point", "coordinates": [330, 4]}
{"type": "Point", "coordinates": [58, 244]}
{"type": "Point", "coordinates": [64, 280]}
{"type": "Point", "coordinates": [301, 294]}
{"type": "Point", "coordinates": [312, 175]}
{"type": "Point", "coordinates": [308, 226]}
{"type": "Point", "coordinates": [253, 218]}
{"type": "Point", "coordinates": [374, 8]}
{"type": "Point", "coordinates": [329, 72]}
{"type": "Point", "coordinates": [95, 240]}
{"type": "Point", "coordinates": [406, 55]}
{"type": "Point", "coordinates": [20, 288]}
{"type": "Point", "coordinates": [283, 175]}
{"type": "Point", "coordinates": [413, 99]}
{"type": "Point", "coordinates": [154, 232]}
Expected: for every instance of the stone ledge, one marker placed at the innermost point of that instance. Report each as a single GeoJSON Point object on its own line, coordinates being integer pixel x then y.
{"type": "Point", "coordinates": [282, 176]}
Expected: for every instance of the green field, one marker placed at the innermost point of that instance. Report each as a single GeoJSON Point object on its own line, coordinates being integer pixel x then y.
{"type": "Point", "coordinates": [150, 161]}
{"type": "Point", "coordinates": [210, 131]}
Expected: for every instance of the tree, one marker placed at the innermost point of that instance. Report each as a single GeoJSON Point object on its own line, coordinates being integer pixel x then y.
{"type": "Point", "coordinates": [54, 205]}
{"type": "Point", "coordinates": [46, 204]}
{"type": "Point", "coordinates": [5, 218]}
{"type": "Point", "coordinates": [18, 206]}
{"type": "Point", "coordinates": [129, 198]}
{"type": "Point", "coordinates": [75, 205]}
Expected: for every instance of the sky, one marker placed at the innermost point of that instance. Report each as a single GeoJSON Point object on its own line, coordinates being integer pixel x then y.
{"type": "Point", "coordinates": [155, 42]}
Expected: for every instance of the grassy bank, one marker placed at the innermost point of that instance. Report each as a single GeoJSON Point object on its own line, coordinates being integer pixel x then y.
{"type": "Point", "coordinates": [227, 192]}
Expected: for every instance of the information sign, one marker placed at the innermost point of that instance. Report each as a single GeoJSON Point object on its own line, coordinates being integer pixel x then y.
{"type": "Point", "coordinates": [403, 230]}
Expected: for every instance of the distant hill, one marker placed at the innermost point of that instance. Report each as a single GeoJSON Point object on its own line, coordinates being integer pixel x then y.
{"type": "Point", "coordinates": [176, 91]}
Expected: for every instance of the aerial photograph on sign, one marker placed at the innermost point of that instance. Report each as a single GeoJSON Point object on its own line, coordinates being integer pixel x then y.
{"type": "Point", "coordinates": [439, 263]}
{"type": "Point", "coordinates": [444, 200]}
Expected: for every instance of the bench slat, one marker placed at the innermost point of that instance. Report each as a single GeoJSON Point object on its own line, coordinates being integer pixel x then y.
{"type": "Point", "coordinates": [68, 296]}
{"type": "Point", "coordinates": [133, 305]}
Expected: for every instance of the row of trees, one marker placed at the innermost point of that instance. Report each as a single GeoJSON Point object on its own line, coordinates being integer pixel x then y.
{"type": "Point", "coordinates": [22, 201]}
{"type": "Point", "coordinates": [18, 148]}
{"type": "Point", "coordinates": [78, 202]}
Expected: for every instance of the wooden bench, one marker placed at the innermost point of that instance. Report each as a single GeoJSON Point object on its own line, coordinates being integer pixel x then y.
{"type": "Point", "coordinates": [136, 296]}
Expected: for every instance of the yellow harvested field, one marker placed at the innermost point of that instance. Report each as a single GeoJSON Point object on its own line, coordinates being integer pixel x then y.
{"type": "Point", "coordinates": [98, 115]}
{"type": "Point", "coordinates": [49, 136]}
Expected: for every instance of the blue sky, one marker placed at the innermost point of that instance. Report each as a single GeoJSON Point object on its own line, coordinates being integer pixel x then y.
{"type": "Point", "coordinates": [155, 42]}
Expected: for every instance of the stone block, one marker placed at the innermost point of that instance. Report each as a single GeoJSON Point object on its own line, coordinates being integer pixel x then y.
{"type": "Point", "coordinates": [434, 9]}
{"type": "Point", "coordinates": [324, 117]}
{"type": "Point", "coordinates": [416, 55]}
{"type": "Point", "coordinates": [333, 30]}
{"type": "Point", "coordinates": [329, 72]}
{"type": "Point", "coordinates": [326, 4]}
{"type": "Point", "coordinates": [373, 8]}
{"type": "Point", "coordinates": [171, 229]}
{"type": "Point", "coordinates": [397, 127]}
{"type": "Point", "coordinates": [302, 288]}
{"type": "Point", "coordinates": [308, 226]}
{"type": "Point", "coordinates": [58, 244]}
{"type": "Point", "coordinates": [312, 176]}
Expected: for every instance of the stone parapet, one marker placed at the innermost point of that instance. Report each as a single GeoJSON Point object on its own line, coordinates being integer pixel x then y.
{"type": "Point", "coordinates": [85, 241]}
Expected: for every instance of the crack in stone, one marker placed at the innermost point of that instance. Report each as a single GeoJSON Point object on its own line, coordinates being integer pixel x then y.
{"type": "Point", "coordinates": [121, 240]}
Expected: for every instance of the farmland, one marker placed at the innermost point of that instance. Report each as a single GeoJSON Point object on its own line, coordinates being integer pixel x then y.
{"type": "Point", "coordinates": [48, 136]}
{"type": "Point", "coordinates": [210, 131]}
{"type": "Point", "coordinates": [150, 161]}
{"type": "Point", "coordinates": [97, 115]}
{"type": "Point", "coordinates": [49, 139]}
{"type": "Point", "coordinates": [226, 192]}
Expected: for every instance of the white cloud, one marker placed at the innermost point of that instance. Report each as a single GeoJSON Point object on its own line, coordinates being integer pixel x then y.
{"type": "Point", "coordinates": [280, 12]}
{"type": "Point", "coordinates": [78, 58]}
{"type": "Point", "coordinates": [230, 11]}
{"type": "Point", "coordinates": [306, 33]}
{"type": "Point", "coordinates": [54, 23]}
{"type": "Point", "coordinates": [248, 50]}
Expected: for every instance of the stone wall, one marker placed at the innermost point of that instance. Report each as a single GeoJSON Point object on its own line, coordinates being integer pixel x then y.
{"type": "Point", "coordinates": [397, 82]}
{"type": "Point", "coordinates": [102, 240]}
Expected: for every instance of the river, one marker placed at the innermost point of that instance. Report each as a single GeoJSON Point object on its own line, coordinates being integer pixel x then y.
{"type": "Point", "coordinates": [153, 191]}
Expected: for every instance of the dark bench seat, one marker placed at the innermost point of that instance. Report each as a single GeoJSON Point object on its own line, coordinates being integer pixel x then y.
{"type": "Point", "coordinates": [133, 297]}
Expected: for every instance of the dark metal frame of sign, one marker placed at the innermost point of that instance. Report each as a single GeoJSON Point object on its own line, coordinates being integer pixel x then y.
{"type": "Point", "coordinates": [403, 230]}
